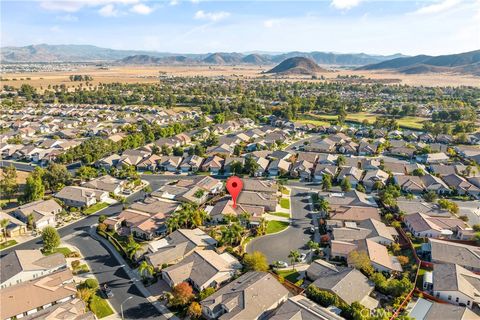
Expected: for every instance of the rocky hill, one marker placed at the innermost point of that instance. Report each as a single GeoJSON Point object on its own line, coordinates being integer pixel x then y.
{"type": "Point", "coordinates": [297, 66]}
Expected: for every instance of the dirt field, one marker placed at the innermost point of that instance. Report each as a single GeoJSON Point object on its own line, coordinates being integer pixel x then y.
{"type": "Point", "coordinates": [150, 74]}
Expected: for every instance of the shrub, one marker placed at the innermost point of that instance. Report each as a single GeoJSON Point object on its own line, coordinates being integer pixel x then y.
{"type": "Point", "coordinates": [92, 283]}
{"type": "Point", "coordinates": [102, 218]}
{"type": "Point", "coordinates": [324, 298]}
{"type": "Point", "coordinates": [75, 264]}
{"type": "Point", "coordinates": [206, 293]}
{"type": "Point", "coordinates": [102, 227]}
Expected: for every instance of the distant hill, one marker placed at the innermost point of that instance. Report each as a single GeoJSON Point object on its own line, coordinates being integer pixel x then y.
{"type": "Point", "coordinates": [88, 53]}
{"type": "Point", "coordinates": [468, 62]}
{"type": "Point", "coordinates": [297, 65]}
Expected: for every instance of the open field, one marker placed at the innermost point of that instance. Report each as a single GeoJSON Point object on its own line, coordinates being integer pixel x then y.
{"type": "Point", "coordinates": [405, 122]}
{"type": "Point", "coordinates": [150, 74]}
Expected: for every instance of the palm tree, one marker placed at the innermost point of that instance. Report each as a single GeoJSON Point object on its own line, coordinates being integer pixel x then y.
{"type": "Point", "coordinates": [172, 223]}
{"type": "Point", "coordinates": [132, 248]}
{"type": "Point", "coordinates": [3, 224]}
{"type": "Point", "coordinates": [232, 234]}
{"type": "Point", "coordinates": [145, 269]}
{"type": "Point", "coordinates": [312, 245]}
{"type": "Point", "coordinates": [294, 255]}
{"type": "Point", "coordinates": [323, 205]}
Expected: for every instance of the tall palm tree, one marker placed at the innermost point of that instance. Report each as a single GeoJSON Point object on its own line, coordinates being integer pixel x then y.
{"type": "Point", "coordinates": [3, 224]}
{"type": "Point", "coordinates": [172, 223]}
{"type": "Point", "coordinates": [145, 269]}
{"type": "Point", "coordinates": [323, 205]}
{"type": "Point", "coordinates": [132, 248]}
{"type": "Point", "coordinates": [312, 245]}
{"type": "Point", "coordinates": [294, 256]}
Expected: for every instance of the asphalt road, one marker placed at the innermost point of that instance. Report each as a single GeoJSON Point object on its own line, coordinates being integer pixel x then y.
{"type": "Point", "coordinates": [21, 166]}
{"type": "Point", "coordinates": [277, 246]}
{"type": "Point", "coordinates": [103, 264]}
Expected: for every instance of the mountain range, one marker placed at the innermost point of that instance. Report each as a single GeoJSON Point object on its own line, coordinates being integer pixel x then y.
{"type": "Point", "coordinates": [88, 53]}
{"type": "Point", "coordinates": [298, 66]}
{"type": "Point", "coordinates": [467, 62]}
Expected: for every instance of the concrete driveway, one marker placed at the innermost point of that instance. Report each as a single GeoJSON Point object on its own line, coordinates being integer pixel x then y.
{"type": "Point", "coordinates": [277, 246]}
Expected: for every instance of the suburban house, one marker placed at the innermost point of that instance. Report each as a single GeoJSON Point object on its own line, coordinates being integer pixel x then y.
{"type": "Point", "coordinates": [278, 167]}
{"type": "Point", "coordinates": [374, 176]}
{"type": "Point", "coordinates": [380, 259]}
{"type": "Point", "coordinates": [254, 295]}
{"type": "Point", "coordinates": [262, 186]}
{"type": "Point", "coordinates": [202, 269]}
{"type": "Point", "coordinates": [24, 265]}
{"type": "Point", "coordinates": [353, 213]}
{"type": "Point", "coordinates": [412, 184]}
{"type": "Point", "coordinates": [349, 285]}
{"type": "Point", "coordinates": [106, 183]}
{"type": "Point", "coordinates": [461, 186]}
{"type": "Point", "coordinates": [229, 161]}
{"type": "Point", "coordinates": [191, 163]}
{"type": "Point", "coordinates": [224, 208]}
{"type": "Point", "coordinates": [428, 310]}
{"type": "Point", "coordinates": [209, 184]}
{"type": "Point", "coordinates": [176, 246]}
{"type": "Point", "coordinates": [324, 169]}
{"type": "Point", "coordinates": [449, 252]}
{"type": "Point", "coordinates": [149, 163]}
{"type": "Point", "coordinates": [302, 169]}
{"type": "Point", "coordinates": [300, 307]}
{"type": "Point", "coordinates": [435, 184]}
{"type": "Point", "coordinates": [265, 200]}
{"type": "Point", "coordinates": [43, 211]}
{"type": "Point", "coordinates": [340, 250]}
{"type": "Point", "coordinates": [353, 174]}
{"type": "Point", "coordinates": [424, 226]}
{"type": "Point", "coordinates": [30, 297]}
{"type": "Point", "coordinates": [74, 196]}
{"type": "Point", "coordinates": [14, 227]}
{"type": "Point", "coordinates": [212, 164]}
{"type": "Point", "coordinates": [108, 162]}
{"type": "Point", "coordinates": [455, 284]}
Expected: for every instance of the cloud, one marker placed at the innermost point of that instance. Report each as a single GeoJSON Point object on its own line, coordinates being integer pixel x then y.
{"type": "Point", "coordinates": [211, 16]}
{"type": "Point", "coordinates": [345, 4]}
{"type": "Point", "coordinates": [437, 7]}
{"type": "Point", "coordinates": [141, 9]}
{"type": "Point", "coordinates": [76, 5]}
{"type": "Point", "coordinates": [174, 2]}
{"type": "Point", "coordinates": [108, 11]}
{"type": "Point", "coordinates": [271, 23]}
{"type": "Point", "coordinates": [68, 18]}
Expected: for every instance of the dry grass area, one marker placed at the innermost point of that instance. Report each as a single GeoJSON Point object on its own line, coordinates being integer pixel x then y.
{"type": "Point", "coordinates": [149, 74]}
{"type": "Point", "coordinates": [21, 176]}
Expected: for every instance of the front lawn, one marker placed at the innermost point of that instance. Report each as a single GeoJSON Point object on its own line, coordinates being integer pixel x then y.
{"type": "Point", "coordinates": [285, 203]}
{"type": "Point", "coordinates": [276, 226]}
{"type": "Point", "coordinates": [7, 244]}
{"type": "Point", "coordinates": [280, 214]}
{"type": "Point", "coordinates": [290, 275]}
{"type": "Point", "coordinates": [100, 306]}
{"type": "Point", "coordinates": [96, 207]}
{"type": "Point", "coordinates": [65, 251]}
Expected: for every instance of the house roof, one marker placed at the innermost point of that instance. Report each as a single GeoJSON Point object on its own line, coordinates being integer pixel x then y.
{"type": "Point", "coordinates": [452, 252]}
{"type": "Point", "coordinates": [28, 260]}
{"type": "Point", "coordinates": [452, 277]}
{"type": "Point", "coordinates": [421, 222]}
{"type": "Point", "coordinates": [105, 183]}
{"type": "Point", "coordinates": [34, 294]}
{"type": "Point", "coordinates": [43, 207]}
{"type": "Point", "coordinates": [350, 285]}
{"type": "Point", "coordinates": [429, 310]}
{"type": "Point", "coordinates": [256, 185]}
{"type": "Point", "coordinates": [247, 297]}
{"type": "Point", "coordinates": [301, 308]}
{"type": "Point", "coordinates": [379, 254]}
{"type": "Point", "coordinates": [354, 213]}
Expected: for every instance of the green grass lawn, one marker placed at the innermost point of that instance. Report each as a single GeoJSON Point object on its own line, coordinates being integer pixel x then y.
{"type": "Point", "coordinates": [7, 244]}
{"type": "Point", "coordinates": [62, 250]}
{"type": "Point", "coordinates": [285, 203]}
{"type": "Point", "coordinates": [280, 214]}
{"type": "Point", "coordinates": [100, 306]}
{"type": "Point", "coordinates": [276, 226]}
{"type": "Point", "coordinates": [285, 191]}
{"type": "Point", "coordinates": [96, 207]}
{"type": "Point", "coordinates": [290, 275]}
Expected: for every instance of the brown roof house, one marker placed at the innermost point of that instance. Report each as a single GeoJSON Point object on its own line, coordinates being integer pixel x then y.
{"type": "Point", "coordinates": [44, 212]}
{"type": "Point", "coordinates": [428, 310]}
{"type": "Point", "coordinates": [14, 227]}
{"type": "Point", "coordinates": [300, 307]}
{"type": "Point", "coordinates": [254, 295]}
{"type": "Point", "coordinates": [24, 265]}
{"type": "Point", "coordinates": [27, 298]}
{"type": "Point", "coordinates": [424, 226]}
{"type": "Point", "coordinates": [203, 269]}
{"type": "Point", "coordinates": [212, 164]}
{"type": "Point", "coordinates": [106, 183]}
{"type": "Point", "coordinates": [225, 208]}
{"type": "Point", "coordinates": [379, 257]}
{"type": "Point", "coordinates": [442, 251]}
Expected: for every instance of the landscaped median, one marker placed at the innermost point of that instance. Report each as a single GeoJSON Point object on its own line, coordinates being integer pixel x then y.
{"type": "Point", "coordinates": [7, 244]}
{"type": "Point", "coordinates": [95, 208]}
{"type": "Point", "coordinates": [274, 226]}
{"type": "Point", "coordinates": [285, 203]}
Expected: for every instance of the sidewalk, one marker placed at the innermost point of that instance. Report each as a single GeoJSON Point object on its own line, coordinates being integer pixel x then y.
{"type": "Point", "coordinates": [134, 276]}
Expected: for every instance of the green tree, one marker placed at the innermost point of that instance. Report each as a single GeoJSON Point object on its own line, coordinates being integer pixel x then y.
{"type": "Point", "coordinates": [326, 182]}
{"type": "Point", "coordinates": [56, 177]}
{"type": "Point", "coordinates": [341, 160]}
{"type": "Point", "coordinates": [324, 298]}
{"type": "Point", "coordinates": [50, 239]}
{"type": "Point", "coordinates": [294, 257]}
{"type": "Point", "coordinates": [205, 293]}
{"type": "Point", "coordinates": [236, 167]}
{"type": "Point", "coordinates": [146, 270]}
{"type": "Point", "coordinates": [256, 261]}
{"type": "Point", "coordinates": [34, 188]}
{"type": "Point", "coordinates": [8, 183]}
{"type": "Point", "coordinates": [3, 225]}
{"type": "Point", "coordinates": [313, 246]}
{"type": "Point", "coordinates": [86, 173]}
{"type": "Point", "coordinates": [251, 166]}
{"type": "Point", "coordinates": [346, 186]}
{"type": "Point", "coordinates": [360, 260]}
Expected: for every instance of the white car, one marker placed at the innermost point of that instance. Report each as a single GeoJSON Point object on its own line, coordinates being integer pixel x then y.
{"type": "Point", "coordinates": [303, 257]}
{"type": "Point", "coordinates": [281, 264]}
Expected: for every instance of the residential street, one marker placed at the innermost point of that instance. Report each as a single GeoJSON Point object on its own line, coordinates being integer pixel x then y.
{"type": "Point", "coordinates": [277, 246]}
{"type": "Point", "coordinates": [103, 264]}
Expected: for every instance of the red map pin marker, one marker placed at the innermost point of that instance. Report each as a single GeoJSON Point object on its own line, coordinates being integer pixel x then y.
{"type": "Point", "coordinates": [234, 187]}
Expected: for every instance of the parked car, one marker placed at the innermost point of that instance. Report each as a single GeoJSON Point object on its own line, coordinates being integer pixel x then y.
{"type": "Point", "coordinates": [107, 291]}
{"type": "Point", "coordinates": [311, 230]}
{"type": "Point", "coordinates": [280, 264]}
{"type": "Point", "coordinates": [303, 257]}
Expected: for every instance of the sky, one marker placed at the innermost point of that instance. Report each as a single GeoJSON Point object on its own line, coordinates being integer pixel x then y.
{"type": "Point", "coordinates": [199, 26]}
